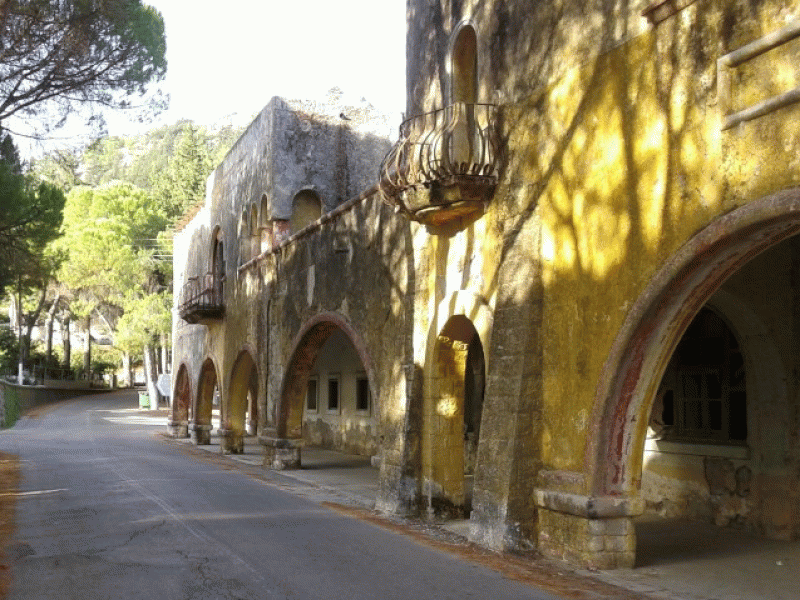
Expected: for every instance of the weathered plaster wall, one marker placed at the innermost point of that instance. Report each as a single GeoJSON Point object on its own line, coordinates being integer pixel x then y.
{"type": "Point", "coordinates": [320, 274]}
{"type": "Point", "coordinates": [614, 158]}
{"type": "Point", "coordinates": [336, 158]}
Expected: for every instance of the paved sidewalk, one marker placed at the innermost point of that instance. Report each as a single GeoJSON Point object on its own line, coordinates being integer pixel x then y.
{"type": "Point", "coordinates": [351, 479]}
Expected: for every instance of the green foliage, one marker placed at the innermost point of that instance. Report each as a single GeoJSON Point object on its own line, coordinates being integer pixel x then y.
{"type": "Point", "coordinates": [146, 318]}
{"type": "Point", "coordinates": [57, 57]}
{"type": "Point", "coordinates": [182, 183]}
{"type": "Point", "coordinates": [11, 398]}
{"type": "Point", "coordinates": [9, 348]}
{"type": "Point", "coordinates": [141, 160]}
{"type": "Point", "coordinates": [106, 239]}
{"type": "Point", "coordinates": [105, 359]}
{"type": "Point", "coordinates": [117, 242]}
{"type": "Point", "coordinates": [31, 214]}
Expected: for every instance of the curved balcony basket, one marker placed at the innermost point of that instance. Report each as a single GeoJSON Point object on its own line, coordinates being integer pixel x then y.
{"type": "Point", "coordinates": [445, 164]}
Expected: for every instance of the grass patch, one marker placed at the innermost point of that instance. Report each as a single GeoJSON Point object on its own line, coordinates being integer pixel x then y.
{"type": "Point", "coordinates": [11, 398]}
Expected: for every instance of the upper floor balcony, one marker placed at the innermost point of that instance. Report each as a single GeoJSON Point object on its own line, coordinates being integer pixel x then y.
{"type": "Point", "coordinates": [445, 165]}
{"type": "Point", "coordinates": [201, 299]}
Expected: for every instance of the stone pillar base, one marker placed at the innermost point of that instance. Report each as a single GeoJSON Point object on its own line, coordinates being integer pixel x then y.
{"type": "Point", "coordinates": [231, 442]}
{"type": "Point", "coordinates": [178, 429]}
{"type": "Point", "coordinates": [200, 433]}
{"type": "Point", "coordinates": [595, 532]}
{"type": "Point", "coordinates": [281, 453]}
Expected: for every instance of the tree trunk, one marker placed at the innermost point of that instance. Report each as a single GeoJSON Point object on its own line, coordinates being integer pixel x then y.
{"type": "Point", "coordinates": [67, 344]}
{"type": "Point", "coordinates": [21, 358]}
{"type": "Point", "coordinates": [87, 348]}
{"type": "Point", "coordinates": [30, 321]}
{"type": "Point", "coordinates": [127, 370]}
{"type": "Point", "coordinates": [49, 333]}
{"type": "Point", "coordinates": [151, 375]}
{"type": "Point", "coordinates": [164, 355]}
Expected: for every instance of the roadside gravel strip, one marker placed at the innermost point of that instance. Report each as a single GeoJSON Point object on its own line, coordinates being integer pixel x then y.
{"type": "Point", "coordinates": [9, 479]}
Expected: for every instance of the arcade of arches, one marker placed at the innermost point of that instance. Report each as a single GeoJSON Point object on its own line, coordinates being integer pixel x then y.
{"type": "Point", "coordinates": [597, 317]}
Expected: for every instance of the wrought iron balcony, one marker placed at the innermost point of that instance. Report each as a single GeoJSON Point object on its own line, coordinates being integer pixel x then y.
{"type": "Point", "coordinates": [201, 299]}
{"type": "Point", "coordinates": [445, 164]}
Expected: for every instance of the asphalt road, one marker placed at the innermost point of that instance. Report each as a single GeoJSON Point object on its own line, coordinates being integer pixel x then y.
{"type": "Point", "coordinates": [107, 510]}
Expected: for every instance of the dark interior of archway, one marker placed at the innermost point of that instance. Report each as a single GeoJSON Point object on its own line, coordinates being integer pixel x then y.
{"type": "Point", "coordinates": [460, 328]}
{"type": "Point", "coordinates": [702, 396]}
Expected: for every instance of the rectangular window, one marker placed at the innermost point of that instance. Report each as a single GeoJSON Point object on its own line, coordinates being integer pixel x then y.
{"type": "Point", "coordinates": [362, 394]}
{"type": "Point", "coordinates": [333, 393]}
{"type": "Point", "coordinates": [311, 394]}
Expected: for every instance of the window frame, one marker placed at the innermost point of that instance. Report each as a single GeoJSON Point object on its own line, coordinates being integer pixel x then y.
{"type": "Point", "coordinates": [362, 377]}
{"type": "Point", "coordinates": [673, 392]}
{"type": "Point", "coordinates": [334, 377]}
{"type": "Point", "coordinates": [315, 380]}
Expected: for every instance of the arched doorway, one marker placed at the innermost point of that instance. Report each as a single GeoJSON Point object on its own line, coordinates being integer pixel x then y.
{"type": "Point", "coordinates": [730, 288]}
{"type": "Point", "coordinates": [240, 403]}
{"type": "Point", "coordinates": [451, 418]}
{"type": "Point", "coordinates": [328, 396]}
{"type": "Point", "coordinates": [207, 390]}
{"type": "Point", "coordinates": [181, 404]}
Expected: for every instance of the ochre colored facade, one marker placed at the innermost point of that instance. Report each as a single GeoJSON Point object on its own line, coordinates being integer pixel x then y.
{"type": "Point", "coordinates": [573, 298]}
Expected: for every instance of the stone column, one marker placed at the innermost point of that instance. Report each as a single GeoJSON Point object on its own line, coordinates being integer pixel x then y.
{"type": "Point", "coordinates": [594, 531]}
{"type": "Point", "coordinates": [281, 453]}
{"type": "Point", "coordinates": [178, 429]}
{"type": "Point", "coordinates": [200, 433]}
{"type": "Point", "coordinates": [231, 441]}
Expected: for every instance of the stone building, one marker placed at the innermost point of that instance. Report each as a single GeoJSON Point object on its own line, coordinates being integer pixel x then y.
{"type": "Point", "coordinates": [573, 298]}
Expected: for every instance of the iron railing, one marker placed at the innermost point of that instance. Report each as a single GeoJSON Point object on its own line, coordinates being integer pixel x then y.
{"type": "Point", "coordinates": [201, 297]}
{"type": "Point", "coordinates": [447, 145]}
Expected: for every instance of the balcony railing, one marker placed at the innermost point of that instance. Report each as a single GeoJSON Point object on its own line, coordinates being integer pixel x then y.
{"type": "Point", "coordinates": [201, 299]}
{"type": "Point", "coordinates": [452, 151]}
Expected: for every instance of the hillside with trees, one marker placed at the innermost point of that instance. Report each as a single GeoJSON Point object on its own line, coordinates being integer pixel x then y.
{"type": "Point", "coordinates": [110, 271]}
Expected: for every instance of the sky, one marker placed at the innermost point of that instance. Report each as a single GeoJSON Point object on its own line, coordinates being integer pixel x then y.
{"type": "Point", "coordinates": [225, 60]}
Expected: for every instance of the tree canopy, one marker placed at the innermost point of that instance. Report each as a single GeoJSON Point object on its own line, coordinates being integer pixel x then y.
{"type": "Point", "coordinates": [107, 240]}
{"type": "Point", "coordinates": [30, 218]}
{"type": "Point", "coordinates": [56, 56]}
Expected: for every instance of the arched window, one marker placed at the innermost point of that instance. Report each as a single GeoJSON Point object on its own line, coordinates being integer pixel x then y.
{"type": "Point", "coordinates": [244, 248]}
{"type": "Point", "coordinates": [306, 208]}
{"type": "Point", "coordinates": [255, 232]}
{"type": "Point", "coordinates": [463, 97]}
{"type": "Point", "coordinates": [464, 66]}
{"type": "Point", "coordinates": [702, 397]}
{"type": "Point", "coordinates": [218, 269]}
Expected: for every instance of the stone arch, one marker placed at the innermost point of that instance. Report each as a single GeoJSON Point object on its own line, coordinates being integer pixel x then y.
{"type": "Point", "coordinates": [306, 208]}
{"type": "Point", "coordinates": [243, 389]}
{"type": "Point", "coordinates": [462, 326]}
{"type": "Point", "coordinates": [306, 345]}
{"type": "Point", "coordinates": [207, 384]}
{"type": "Point", "coordinates": [182, 403]}
{"type": "Point", "coordinates": [655, 324]}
